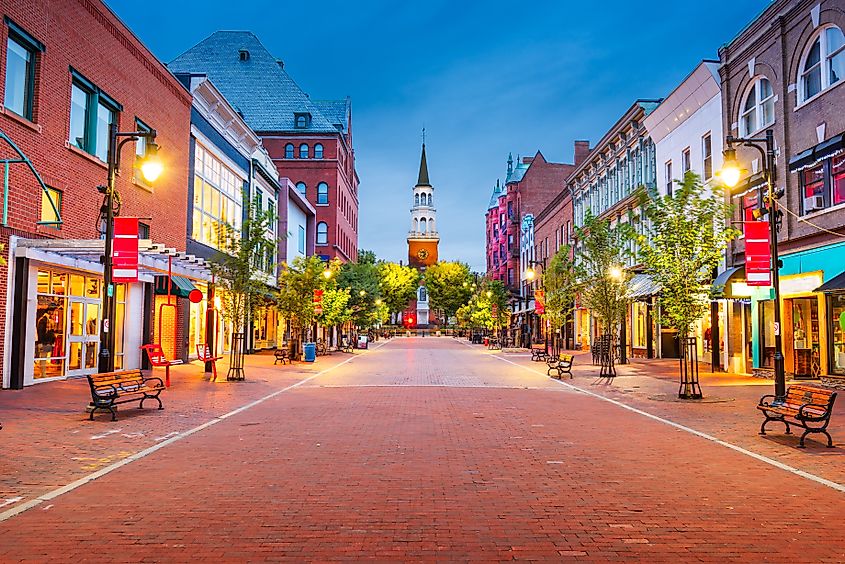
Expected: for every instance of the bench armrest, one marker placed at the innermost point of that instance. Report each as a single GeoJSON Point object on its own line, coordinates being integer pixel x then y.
{"type": "Point", "coordinates": [765, 403]}
{"type": "Point", "coordinates": [106, 391]}
{"type": "Point", "coordinates": [803, 415]}
{"type": "Point", "coordinates": [157, 379]}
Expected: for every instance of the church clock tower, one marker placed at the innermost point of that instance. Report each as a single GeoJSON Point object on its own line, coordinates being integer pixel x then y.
{"type": "Point", "coordinates": [423, 238]}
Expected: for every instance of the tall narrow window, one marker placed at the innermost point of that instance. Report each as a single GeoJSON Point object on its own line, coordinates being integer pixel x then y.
{"type": "Point", "coordinates": [707, 156]}
{"type": "Point", "coordinates": [429, 200]}
{"type": "Point", "coordinates": [91, 114]}
{"type": "Point", "coordinates": [20, 76]}
{"type": "Point", "coordinates": [301, 240]}
{"type": "Point", "coordinates": [670, 182]}
{"type": "Point", "coordinates": [322, 194]}
{"type": "Point", "coordinates": [303, 151]}
{"type": "Point", "coordinates": [318, 151]}
{"type": "Point", "coordinates": [416, 199]}
{"type": "Point", "coordinates": [322, 233]}
{"type": "Point", "coordinates": [78, 116]}
{"type": "Point", "coordinates": [686, 164]}
{"type": "Point", "coordinates": [758, 111]}
{"type": "Point", "coordinates": [301, 187]}
{"type": "Point", "coordinates": [824, 63]}
{"type": "Point", "coordinates": [289, 151]}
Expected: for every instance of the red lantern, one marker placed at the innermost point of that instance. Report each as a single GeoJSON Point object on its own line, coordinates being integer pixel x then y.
{"type": "Point", "coordinates": [195, 296]}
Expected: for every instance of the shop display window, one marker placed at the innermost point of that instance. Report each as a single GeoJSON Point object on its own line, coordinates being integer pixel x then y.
{"type": "Point", "coordinates": [836, 308]}
{"type": "Point", "coordinates": [838, 172]}
{"type": "Point", "coordinates": [767, 330]}
{"type": "Point", "coordinates": [805, 336]}
{"type": "Point", "coordinates": [813, 181]}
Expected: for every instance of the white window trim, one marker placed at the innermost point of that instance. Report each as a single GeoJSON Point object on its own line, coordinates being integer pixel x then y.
{"type": "Point", "coordinates": [824, 56]}
{"type": "Point", "coordinates": [758, 105]}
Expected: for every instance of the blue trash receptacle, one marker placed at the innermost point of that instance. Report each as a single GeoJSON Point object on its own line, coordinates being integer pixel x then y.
{"type": "Point", "coordinates": [310, 352]}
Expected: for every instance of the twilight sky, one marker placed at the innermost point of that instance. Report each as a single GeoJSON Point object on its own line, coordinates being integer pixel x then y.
{"type": "Point", "coordinates": [483, 77]}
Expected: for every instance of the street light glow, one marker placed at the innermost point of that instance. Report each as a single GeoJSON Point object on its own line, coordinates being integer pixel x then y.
{"type": "Point", "coordinates": [529, 273]}
{"type": "Point", "coordinates": [378, 302]}
{"type": "Point", "coordinates": [151, 167]}
{"type": "Point", "coordinates": [615, 273]}
{"type": "Point", "coordinates": [730, 172]}
{"type": "Point", "coordinates": [327, 273]}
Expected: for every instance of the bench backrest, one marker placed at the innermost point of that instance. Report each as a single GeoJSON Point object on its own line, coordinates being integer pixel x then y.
{"type": "Point", "coordinates": [156, 355]}
{"type": "Point", "coordinates": [801, 394]}
{"type": "Point", "coordinates": [124, 379]}
{"type": "Point", "coordinates": [566, 358]}
{"type": "Point", "coordinates": [203, 352]}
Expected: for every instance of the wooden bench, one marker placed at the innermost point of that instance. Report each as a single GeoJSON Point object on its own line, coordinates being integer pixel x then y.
{"type": "Point", "coordinates": [112, 388]}
{"type": "Point", "coordinates": [346, 346]}
{"type": "Point", "coordinates": [538, 353]}
{"type": "Point", "coordinates": [322, 348]}
{"type": "Point", "coordinates": [561, 364]}
{"type": "Point", "coordinates": [204, 355]}
{"type": "Point", "coordinates": [805, 406]}
{"type": "Point", "coordinates": [282, 354]}
{"type": "Point", "coordinates": [493, 343]}
{"type": "Point", "coordinates": [156, 357]}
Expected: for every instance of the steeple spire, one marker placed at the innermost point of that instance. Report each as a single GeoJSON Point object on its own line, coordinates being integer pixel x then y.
{"type": "Point", "coordinates": [422, 180]}
{"type": "Point", "coordinates": [510, 163]}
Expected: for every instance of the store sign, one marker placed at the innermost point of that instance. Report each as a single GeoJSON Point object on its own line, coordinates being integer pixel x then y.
{"type": "Point", "coordinates": [758, 254]}
{"type": "Point", "coordinates": [125, 250]}
{"type": "Point", "coordinates": [539, 302]}
{"type": "Point", "coordinates": [800, 284]}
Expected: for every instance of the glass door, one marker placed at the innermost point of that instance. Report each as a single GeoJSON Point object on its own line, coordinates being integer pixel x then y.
{"type": "Point", "coordinates": [83, 333]}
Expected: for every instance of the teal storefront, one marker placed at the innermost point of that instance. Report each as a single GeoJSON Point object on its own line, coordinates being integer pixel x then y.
{"type": "Point", "coordinates": [812, 305]}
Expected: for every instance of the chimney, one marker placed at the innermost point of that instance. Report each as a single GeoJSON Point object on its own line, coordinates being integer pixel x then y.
{"type": "Point", "coordinates": [582, 149]}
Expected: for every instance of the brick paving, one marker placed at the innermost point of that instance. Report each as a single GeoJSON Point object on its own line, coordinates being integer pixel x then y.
{"type": "Point", "coordinates": [428, 449]}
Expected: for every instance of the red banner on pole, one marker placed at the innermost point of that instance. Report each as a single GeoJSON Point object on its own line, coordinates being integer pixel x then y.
{"type": "Point", "coordinates": [125, 250]}
{"type": "Point", "coordinates": [539, 302]}
{"type": "Point", "coordinates": [318, 302]}
{"type": "Point", "coordinates": [758, 253]}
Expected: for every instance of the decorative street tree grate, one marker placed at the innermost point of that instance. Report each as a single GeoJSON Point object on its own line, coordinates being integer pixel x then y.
{"type": "Point", "coordinates": [236, 358]}
{"type": "Point", "coordinates": [689, 388]}
{"type": "Point", "coordinates": [605, 354]}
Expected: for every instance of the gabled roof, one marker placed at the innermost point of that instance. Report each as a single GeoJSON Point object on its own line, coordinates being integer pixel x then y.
{"type": "Point", "coordinates": [516, 174]}
{"type": "Point", "coordinates": [257, 86]}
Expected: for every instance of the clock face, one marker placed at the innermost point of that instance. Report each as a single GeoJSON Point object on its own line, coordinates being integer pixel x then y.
{"type": "Point", "coordinates": [422, 254]}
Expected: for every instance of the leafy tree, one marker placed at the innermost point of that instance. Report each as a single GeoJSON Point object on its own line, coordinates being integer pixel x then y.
{"type": "Point", "coordinates": [239, 263]}
{"type": "Point", "coordinates": [560, 282]}
{"type": "Point", "coordinates": [686, 236]}
{"type": "Point", "coordinates": [362, 281]}
{"type": "Point", "coordinates": [478, 311]}
{"type": "Point", "coordinates": [366, 257]}
{"type": "Point", "coordinates": [297, 282]}
{"type": "Point", "coordinates": [336, 310]}
{"type": "Point", "coordinates": [604, 283]}
{"type": "Point", "coordinates": [449, 286]}
{"type": "Point", "coordinates": [397, 285]}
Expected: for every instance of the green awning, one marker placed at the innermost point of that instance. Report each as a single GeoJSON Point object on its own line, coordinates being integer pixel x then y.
{"type": "Point", "coordinates": [181, 286]}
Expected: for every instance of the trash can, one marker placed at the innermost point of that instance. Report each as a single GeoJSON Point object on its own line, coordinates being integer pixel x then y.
{"type": "Point", "coordinates": [310, 352]}
{"type": "Point", "coordinates": [362, 341]}
{"type": "Point", "coordinates": [486, 341]}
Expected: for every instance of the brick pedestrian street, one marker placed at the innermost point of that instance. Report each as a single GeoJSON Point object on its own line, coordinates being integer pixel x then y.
{"type": "Point", "coordinates": [424, 449]}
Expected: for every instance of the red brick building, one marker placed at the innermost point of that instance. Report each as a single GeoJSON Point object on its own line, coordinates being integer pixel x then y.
{"type": "Point", "coordinates": [310, 141]}
{"type": "Point", "coordinates": [68, 69]}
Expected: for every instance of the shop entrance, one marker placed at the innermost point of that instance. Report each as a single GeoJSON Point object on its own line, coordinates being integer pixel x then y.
{"type": "Point", "coordinates": [83, 336]}
{"type": "Point", "coordinates": [805, 336]}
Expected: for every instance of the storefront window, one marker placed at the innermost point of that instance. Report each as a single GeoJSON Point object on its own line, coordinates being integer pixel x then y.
{"type": "Point", "coordinates": [638, 339]}
{"type": "Point", "coordinates": [838, 172]}
{"type": "Point", "coordinates": [50, 323]}
{"type": "Point", "coordinates": [805, 335]}
{"type": "Point", "coordinates": [836, 308]}
{"type": "Point", "coordinates": [813, 181]}
{"type": "Point", "coordinates": [767, 330]}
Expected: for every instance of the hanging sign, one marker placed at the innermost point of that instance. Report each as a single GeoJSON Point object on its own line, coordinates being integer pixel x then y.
{"type": "Point", "coordinates": [539, 302]}
{"type": "Point", "coordinates": [495, 310]}
{"type": "Point", "coordinates": [758, 254]}
{"type": "Point", "coordinates": [318, 302]}
{"type": "Point", "coordinates": [125, 250]}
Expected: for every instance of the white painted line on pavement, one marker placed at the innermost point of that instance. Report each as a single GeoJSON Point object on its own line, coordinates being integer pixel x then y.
{"type": "Point", "coordinates": [818, 479]}
{"type": "Point", "coordinates": [18, 509]}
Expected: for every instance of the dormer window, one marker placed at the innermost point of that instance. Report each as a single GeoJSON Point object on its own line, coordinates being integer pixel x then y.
{"type": "Point", "coordinates": [302, 120]}
{"type": "Point", "coordinates": [243, 55]}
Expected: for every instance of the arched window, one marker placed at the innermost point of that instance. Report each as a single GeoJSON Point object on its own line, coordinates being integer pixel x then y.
{"type": "Point", "coordinates": [824, 64]}
{"type": "Point", "coordinates": [416, 199]}
{"type": "Point", "coordinates": [423, 294]}
{"type": "Point", "coordinates": [318, 151]}
{"type": "Point", "coordinates": [429, 200]}
{"type": "Point", "coordinates": [431, 224]}
{"type": "Point", "coordinates": [416, 225]}
{"type": "Point", "coordinates": [422, 225]}
{"type": "Point", "coordinates": [289, 151]}
{"type": "Point", "coordinates": [758, 110]}
{"type": "Point", "coordinates": [322, 194]}
{"type": "Point", "coordinates": [303, 151]}
{"type": "Point", "coordinates": [322, 233]}
{"type": "Point", "coordinates": [301, 187]}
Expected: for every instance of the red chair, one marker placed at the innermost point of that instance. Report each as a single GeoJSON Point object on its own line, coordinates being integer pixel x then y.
{"type": "Point", "coordinates": [204, 355]}
{"type": "Point", "coordinates": [156, 357]}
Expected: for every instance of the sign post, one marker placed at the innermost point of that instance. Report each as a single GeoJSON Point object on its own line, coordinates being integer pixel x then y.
{"type": "Point", "coordinates": [758, 253]}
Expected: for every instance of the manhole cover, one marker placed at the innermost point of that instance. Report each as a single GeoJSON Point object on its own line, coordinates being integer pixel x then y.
{"type": "Point", "coordinates": [676, 399]}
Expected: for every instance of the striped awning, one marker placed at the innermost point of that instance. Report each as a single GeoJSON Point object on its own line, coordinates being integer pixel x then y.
{"type": "Point", "coordinates": [642, 286]}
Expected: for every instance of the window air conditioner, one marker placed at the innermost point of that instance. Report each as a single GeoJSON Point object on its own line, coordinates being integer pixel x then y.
{"type": "Point", "coordinates": [813, 203]}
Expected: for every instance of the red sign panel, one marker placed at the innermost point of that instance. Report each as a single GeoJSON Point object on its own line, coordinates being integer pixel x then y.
{"type": "Point", "coordinates": [539, 302]}
{"type": "Point", "coordinates": [495, 310]}
{"type": "Point", "coordinates": [125, 250]}
{"type": "Point", "coordinates": [758, 254]}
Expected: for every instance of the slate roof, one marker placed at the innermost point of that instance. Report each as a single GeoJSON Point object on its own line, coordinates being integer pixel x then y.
{"type": "Point", "coordinates": [257, 87]}
{"type": "Point", "coordinates": [517, 173]}
{"type": "Point", "coordinates": [336, 111]}
{"type": "Point", "coordinates": [494, 197]}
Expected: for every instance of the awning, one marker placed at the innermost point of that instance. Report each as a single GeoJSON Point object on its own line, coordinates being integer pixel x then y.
{"type": "Point", "coordinates": [835, 284]}
{"type": "Point", "coordinates": [813, 155]}
{"type": "Point", "coordinates": [181, 287]}
{"type": "Point", "coordinates": [642, 286]}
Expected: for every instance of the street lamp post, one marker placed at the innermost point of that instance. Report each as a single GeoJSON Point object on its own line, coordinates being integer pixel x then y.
{"type": "Point", "coordinates": [151, 168]}
{"type": "Point", "coordinates": [730, 176]}
{"type": "Point", "coordinates": [530, 274]}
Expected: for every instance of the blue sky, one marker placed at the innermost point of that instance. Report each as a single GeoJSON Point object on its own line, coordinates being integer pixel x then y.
{"type": "Point", "coordinates": [485, 78]}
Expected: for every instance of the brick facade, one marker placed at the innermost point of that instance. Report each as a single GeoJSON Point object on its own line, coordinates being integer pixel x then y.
{"type": "Point", "coordinates": [86, 36]}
